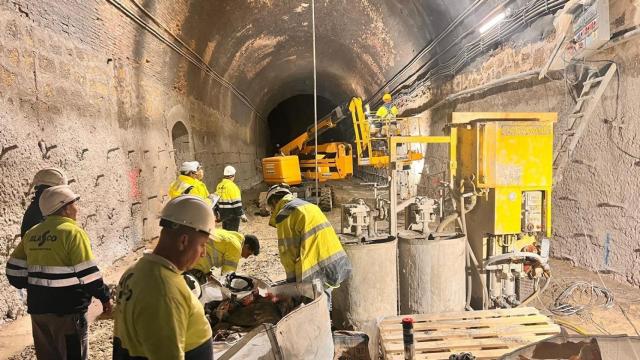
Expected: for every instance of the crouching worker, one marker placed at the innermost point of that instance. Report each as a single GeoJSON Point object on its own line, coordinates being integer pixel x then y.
{"type": "Point", "coordinates": [308, 245]}
{"type": "Point", "coordinates": [157, 316]}
{"type": "Point", "coordinates": [224, 249]}
{"type": "Point", "coordinates": [54, 262]}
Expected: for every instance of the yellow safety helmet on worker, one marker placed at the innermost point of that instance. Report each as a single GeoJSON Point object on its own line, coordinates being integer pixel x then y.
{"type": "Point", "coordinates": [387, 110]}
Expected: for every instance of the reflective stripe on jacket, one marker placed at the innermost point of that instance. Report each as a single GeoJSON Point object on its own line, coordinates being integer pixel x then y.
{"type": "Point", "coordinates": [230, 203]}
{"type": "Point", "coordinates": [224, 249]}
{"type": "Point", "coordinates": [55, 264]}
{"type": "Point", "coordinates": [308, 245]}
{"type": "Point", "coordinates": [184, 185]}
{"type": "Point", "coordinates": [156, 315]}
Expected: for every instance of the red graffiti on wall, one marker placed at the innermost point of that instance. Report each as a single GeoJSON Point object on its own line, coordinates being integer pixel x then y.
{"type": "Point", "coordinates": [134, 186]}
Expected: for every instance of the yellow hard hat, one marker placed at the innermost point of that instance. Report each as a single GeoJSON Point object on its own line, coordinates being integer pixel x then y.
{"type": "Point", "coordinates": [386, 97]}
{"type": "Point", "coordinates": [190, 211]}
{"type": "Point", "coordinates": [55, 197]}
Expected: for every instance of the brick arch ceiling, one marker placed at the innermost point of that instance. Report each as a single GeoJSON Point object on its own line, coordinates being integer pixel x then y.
{"type": "Point", "coordinates": [264, 47]}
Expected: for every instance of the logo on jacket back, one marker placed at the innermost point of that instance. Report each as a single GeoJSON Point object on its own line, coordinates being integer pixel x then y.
{"type": "Point", "coordinates": [44, 237]}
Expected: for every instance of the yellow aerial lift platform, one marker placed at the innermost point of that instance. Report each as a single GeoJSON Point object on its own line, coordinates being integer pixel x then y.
{"type": "Point", "coordinates": [296, 160]}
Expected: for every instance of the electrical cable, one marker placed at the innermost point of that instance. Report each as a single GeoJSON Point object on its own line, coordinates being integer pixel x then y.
{"type": "Point", "coordinates": [193, 58]}
{"type": "Point", "coordinates": [315, 98]}
{"type": "Point", "coordinates": [567, 304]}
{"type": "Point", "coordinates": [571, 326]}
{"type": "Point", "coordinates": [521, 17]}
{"type": "Point", "coordinates": [610, 122]}
{"type": "Point", "coordinates": [427, 48]}
{"type": "Point", "coordinates": [537, 293]}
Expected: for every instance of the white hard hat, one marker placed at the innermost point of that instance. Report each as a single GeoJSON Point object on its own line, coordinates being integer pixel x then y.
{"type": "Point", "coordinates": [189, 166]}
{"type": "Point", "coordinates": [55, 197]}
{"type": "Point", "coordinates": [229, 170]}
{"type": "Point", "coordinates": [49, 177]}
{"type": "Point", "coordinates": [193, 284]}
{"type": "Point", "coordinates": [190, 211]}
{"type": "Point", "coordinates": [278, 189]}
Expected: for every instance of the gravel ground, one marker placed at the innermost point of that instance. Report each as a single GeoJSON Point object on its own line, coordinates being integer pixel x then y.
{"type": "Point", "coordinates": [266, 266]}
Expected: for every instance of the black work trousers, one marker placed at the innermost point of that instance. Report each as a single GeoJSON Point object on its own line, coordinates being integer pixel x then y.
{"type": "Point", "coordinates": [232, 223]}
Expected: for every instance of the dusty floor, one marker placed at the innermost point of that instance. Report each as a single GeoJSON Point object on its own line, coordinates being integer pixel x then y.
{"type": "Point", "coordinates": [267, 266]}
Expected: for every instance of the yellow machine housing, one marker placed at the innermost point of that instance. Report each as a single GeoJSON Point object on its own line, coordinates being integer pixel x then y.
{"type": "Point", "coordinates": [506, 161]}
{"type": "Point", "coordinates": [334, 162]}
{"type": "Point", "coordinates": [282, 169]}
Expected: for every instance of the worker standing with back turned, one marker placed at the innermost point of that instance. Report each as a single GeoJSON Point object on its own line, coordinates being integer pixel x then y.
{"type": "Point", "coordinates": [229, 207]}
{"type": "Point", "coordinates": [54, 262]}
{"type": "Point", "coordinates": [43, 180]}
{"type": "Point", "coordinates": [157, 316]}
{"type": "Point", "coordinates": [308, 245]}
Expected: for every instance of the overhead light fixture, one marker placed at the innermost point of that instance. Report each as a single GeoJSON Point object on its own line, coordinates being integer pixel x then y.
{"type": "Point", "coordinates": [493, 22]}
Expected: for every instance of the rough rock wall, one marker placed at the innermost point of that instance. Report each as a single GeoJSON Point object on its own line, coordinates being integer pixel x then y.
{"type": "Point", "coordinates": [79, 90]}
{"type": "Point", "coordinates": [597, 198]}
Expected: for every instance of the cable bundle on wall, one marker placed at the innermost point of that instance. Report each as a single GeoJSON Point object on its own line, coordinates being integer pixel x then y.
{"type": "Point", "coordinates": [509, 26]}
{"type": "Point", "coordinates": [182, 49]}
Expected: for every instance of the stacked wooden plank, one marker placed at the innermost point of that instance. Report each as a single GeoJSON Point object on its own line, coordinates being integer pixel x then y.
{"type": "Point", "coordinates": [487, 334]}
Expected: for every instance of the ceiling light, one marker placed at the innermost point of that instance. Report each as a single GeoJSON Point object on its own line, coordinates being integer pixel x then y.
{"type": "Point", "coordinates": [493, 22]}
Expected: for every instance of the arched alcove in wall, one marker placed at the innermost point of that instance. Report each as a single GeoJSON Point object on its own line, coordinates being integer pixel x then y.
{"type": "Point", "coordinates": [181, 142]}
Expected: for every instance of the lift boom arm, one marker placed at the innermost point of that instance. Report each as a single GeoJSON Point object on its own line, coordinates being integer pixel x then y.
{"type": "Point", "coordinates": [328, 122]}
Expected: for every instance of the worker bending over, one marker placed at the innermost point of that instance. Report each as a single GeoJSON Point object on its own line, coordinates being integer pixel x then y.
{"type": "Point", "coordinates": [308, 245]}
{"type": "Point", "coordinates": [229, 207]}
{"type": "Point", "coordinates": [189, 182]}
{"type": "Point", "coordinates": [157, 316]}
{"type": "Point", "coordinates": [43, 180]}
{"type": "Point", "coordinates": [224, 249]}
{"type": "Point", "coordinates": [387, 110]}
{"type": "Point", "coordinates": [54, 262]}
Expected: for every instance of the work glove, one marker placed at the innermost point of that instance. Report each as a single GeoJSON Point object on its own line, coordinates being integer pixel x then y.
{"type": "Point", "coordinates": [244, 218]}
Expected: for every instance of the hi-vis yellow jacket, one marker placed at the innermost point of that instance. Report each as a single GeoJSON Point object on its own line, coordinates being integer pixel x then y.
{"type": "Point", "coordinates": [55, 264]}
{"type": "Point", "coordinates": [230, 203]}
{"type": "Point", "coordinates": [308, 245]}
{"type": "Point", "coordinates": [224, 249]}
{"type": "Point", "coordinates": [157, 316]}
{"type": "Point", "coordinates": [385, 111]}
{"type": "Point", "coordinates": [184, 185]}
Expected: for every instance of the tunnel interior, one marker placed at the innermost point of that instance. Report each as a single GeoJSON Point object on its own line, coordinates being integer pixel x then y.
{"type": "Point", "coordinates": [118, 93]}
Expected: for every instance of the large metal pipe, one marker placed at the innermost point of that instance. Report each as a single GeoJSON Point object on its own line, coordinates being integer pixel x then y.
{"type": "Point", "coordinates": [371, 291]}
{"type": "Point", "coordinates": [432, 273]}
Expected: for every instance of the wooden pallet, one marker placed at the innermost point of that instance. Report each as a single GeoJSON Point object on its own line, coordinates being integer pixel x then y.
{"type": "Point", "coordinates": [487, 334]}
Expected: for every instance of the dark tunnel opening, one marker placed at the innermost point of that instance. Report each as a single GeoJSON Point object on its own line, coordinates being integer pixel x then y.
{"type": "Point", "coordinates": [293, 116]}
